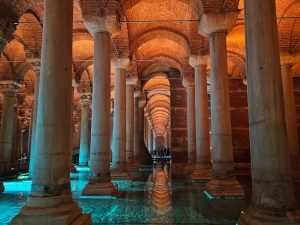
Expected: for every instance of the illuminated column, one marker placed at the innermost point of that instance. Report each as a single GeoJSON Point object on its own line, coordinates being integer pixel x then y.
{"type": "Point", "coordinates": [102, 27]}
{"type": "Point", "coordinates": [273, 200]}
{"type": "Point", "coordinates": [290, 113]}
{"type": "Point", "coordinates": [84, 151]}
{"type": "Point", "coordinates": [50, 200]}
{"type": "Point", "coordinates": [36, 67]}
{"type": "Point", "coordinates": [119, 169]}
{"type": "Point", "coordinates": [8, 89]}
{"type": "Point", "coordinates": [203, 160]}
{"type": "Point", "coordinates": [143, 155]}
{"type": "Point", "coordinates": [150, 137]}
{"type": "Point", "coordinates": [130, 83]}
{"type": "Point", "coordinates": [189, 84]}
{"type": "Point", "coordinates": [137, 95]}
{"type": "Point", "coordinates": [216, 26]}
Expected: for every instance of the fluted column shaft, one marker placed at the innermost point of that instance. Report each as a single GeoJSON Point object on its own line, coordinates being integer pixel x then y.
{"type": "Point", "coordinates": [129, 123]}
{"type": "Point", "coordinates": [119, 124]}
{"type": "Point", "coordinates": [201, 115]}
{"type": "Point", "coordinates": [290, 113]}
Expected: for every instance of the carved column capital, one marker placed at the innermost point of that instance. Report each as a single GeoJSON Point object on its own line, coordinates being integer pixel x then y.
{"type": "Point", "coordinates": [198, 60]}
{"type": "Point", "coordinates": [217, 22]}
{"type": "Point", "coordinates": [85, 99]}
{"type": "Point", "coordinates": [36, 65]}
{"type": "Point", "coordinates": [101, 20]}
{"type": "Point", "coordinates": [9, 88]}
{"type": "Point", "coordinates": [188, 81]}
{"type": "Point", "coordinates": [121, 63]}
{"type": "Point", "coordinates": [132, 80]}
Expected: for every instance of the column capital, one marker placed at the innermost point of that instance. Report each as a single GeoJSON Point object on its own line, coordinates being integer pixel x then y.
{"type": "Point", "coordinates": [36, 65]}
{"type": "Point", "coordinates": [188, 81]}
{"type": "Point", "coordinates": [142, 101]}
{"type": "Point", "coordinates": [132, 80]}
{"type": "Point", "coordinates": [198, 60]}
{"type": "Point", "coordinates": [137, 92]}
{"type": "Point", "coordinates": [121, 63]}
{"type": "Point", "coordinates": [105, 21]}
{"type": "Point", "coordinates": [9, 88]}
{"type": "Point", "coordinates": [289, 59]}
{"type": "Point", "coordinates": [217, 22]}
{"type": "Point", "coordinates": [85, 98]}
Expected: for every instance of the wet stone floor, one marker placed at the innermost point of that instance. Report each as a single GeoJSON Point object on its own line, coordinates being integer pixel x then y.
{"type": "Point", "coordinates": [159, 196]}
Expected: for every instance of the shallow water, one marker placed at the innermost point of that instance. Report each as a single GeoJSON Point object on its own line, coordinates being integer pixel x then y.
{"type": "Point", "coordinates": [159, 196]}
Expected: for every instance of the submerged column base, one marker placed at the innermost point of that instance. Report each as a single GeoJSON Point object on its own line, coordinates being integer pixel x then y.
{"type": "Point", "coordinates": [225, 188]}
{"type": "Point", "coordinates": [100, 189]}
{"type": "Point", "coordinates": [190, 166]}
{"type": "Point", "coordinates": [2, 188]}
{"type": "Point", "coordinates": [54, 210]}
{"type": "Point", "coordinates": [201, 173]}
{"type": "Point", "coordinates": [120, 173]}
{"type": "Point", "coordinates": [255, 216]}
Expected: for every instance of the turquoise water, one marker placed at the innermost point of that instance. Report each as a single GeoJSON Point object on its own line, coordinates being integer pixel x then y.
{"type": "Point", "coordinates": [159, 196]}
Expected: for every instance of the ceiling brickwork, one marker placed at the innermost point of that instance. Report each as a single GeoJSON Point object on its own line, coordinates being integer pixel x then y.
{"type": "Point", "coordinates": [158, 36]}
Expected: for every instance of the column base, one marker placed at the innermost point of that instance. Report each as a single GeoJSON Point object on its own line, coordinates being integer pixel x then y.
{"type": "Point", "coordinates": [296, 173]}
{"type": "Point", "coordinates": [84, 164]}
{"type": "Point", "coordinates": [190, 166]}
{"type": "Point", "coordinates": [100, 189]}
{"type": "Point", "coordinates": [201, 173]}
{"type": "Point", "coordinates": [73, 168]}
{"type": "Point", "coordinates": [133, 166]}
{"type": "Point", "coordinates": [51, 211]}
{"type": "Point", "coordinates": [2, 188]}
{"type": "Point", "coordinates": [225, 189]}
{"type": "Point", "coordinates": [120, 174]}
{"type": "Point", "coordinates": [255, 216]}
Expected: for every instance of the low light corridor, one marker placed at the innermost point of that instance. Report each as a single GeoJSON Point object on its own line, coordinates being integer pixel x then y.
{"type": "Point", "coordinates": [178, 201]}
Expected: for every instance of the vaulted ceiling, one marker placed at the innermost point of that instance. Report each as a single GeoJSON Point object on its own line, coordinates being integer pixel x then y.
{"type": "Point", "coordinates": [156, 35]}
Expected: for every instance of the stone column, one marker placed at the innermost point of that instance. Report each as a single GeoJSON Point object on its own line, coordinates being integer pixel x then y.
{"type": "Point", "coordinates": [36, 64]}
{"type": "Point", "coordinates": [119, 169]}
{"type": "Point", "coordinates": [101, 27]}
{"type": "Point", "coordinates": [153, 140]}
{"type": "Point", "coordinates": [8, 89]}
{"type": "Point", "coordinates": [189, 84]}
{"type": "Point", "coordinates": [130, 83]}
{"type": "Point", "coordinates": [137, 94]}
{"type": "Point", "coordinates": [273, 200]}
{"type": "Point", "coordinates": [143, 153]}
{"type": "Point", "coordinates": [50, 200]}
{"type": "Point", "coordinates": [290, 113]}
{"type": "Point", "coordinates": [150, 137]}
{"type": "Point", "coordinates": [84, 151]}
{"type": "Point", "coordinates": [202, 170]}
{"type": "Point", "coordinates": [216, 26]}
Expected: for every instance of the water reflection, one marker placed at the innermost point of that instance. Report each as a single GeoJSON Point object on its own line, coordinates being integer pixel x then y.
{"type": "Point", "coordinates": [159, 195]}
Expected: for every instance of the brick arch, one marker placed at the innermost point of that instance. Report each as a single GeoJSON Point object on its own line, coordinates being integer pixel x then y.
{"type": "Point", "coordinates": [160, 62]}
{"type": "Point", "coordinates": [196, 5]}
{"type": "Point", "coordinates": [29, 33]}
{"type": "Point", "coordinates": [160, 33]}
{"type": "Point", "coordinates": [15, 55]}
{"type": "Point", "coordinates": [289, 36]}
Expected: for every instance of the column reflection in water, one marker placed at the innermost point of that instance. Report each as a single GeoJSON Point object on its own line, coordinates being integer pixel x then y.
{"type": "Point", "coordinates": [159, 197]}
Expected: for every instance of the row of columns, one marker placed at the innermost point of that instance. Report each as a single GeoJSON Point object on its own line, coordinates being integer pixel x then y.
{"type": "Point", "coordinates": [273, 202]}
